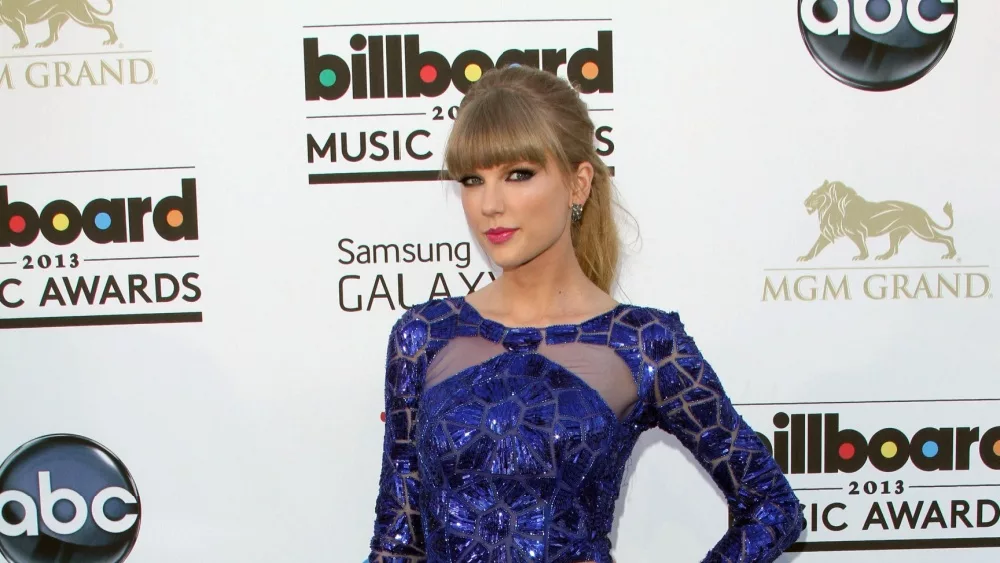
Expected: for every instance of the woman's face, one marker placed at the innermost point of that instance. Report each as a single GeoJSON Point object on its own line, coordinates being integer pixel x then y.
{"type": "Point", "coordinates": [520, 210]}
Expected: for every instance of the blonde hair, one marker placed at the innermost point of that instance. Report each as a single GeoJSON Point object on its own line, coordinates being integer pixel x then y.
{"type": "Point", "coordinates": [519, 113]}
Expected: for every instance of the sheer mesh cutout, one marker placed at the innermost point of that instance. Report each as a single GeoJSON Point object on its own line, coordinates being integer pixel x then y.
{"type": "Point", "coordinates": [597, 365]}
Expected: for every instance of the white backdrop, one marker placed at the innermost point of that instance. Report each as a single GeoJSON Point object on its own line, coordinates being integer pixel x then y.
{"type": "Point", "coordinates": [250, 421]}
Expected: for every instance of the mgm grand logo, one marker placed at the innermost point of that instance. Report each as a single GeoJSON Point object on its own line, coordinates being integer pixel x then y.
{"type": "Point", "coordinates": [844, 214]}
{"type": "Point", "coordinates": [40, 69]}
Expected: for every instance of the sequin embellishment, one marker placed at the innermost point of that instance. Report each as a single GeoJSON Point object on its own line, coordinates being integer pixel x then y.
{"type": "Point", "coordinates": [518, 460]}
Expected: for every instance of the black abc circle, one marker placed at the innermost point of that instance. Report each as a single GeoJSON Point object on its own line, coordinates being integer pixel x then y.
{"type": "Point", "coordinates": [878, 62]}
{"type": "Point", "coordinates": [85, 467]}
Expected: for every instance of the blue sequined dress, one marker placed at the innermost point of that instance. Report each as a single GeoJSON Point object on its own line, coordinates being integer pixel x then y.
{"type": "Point", "coordinates": [511, 456]}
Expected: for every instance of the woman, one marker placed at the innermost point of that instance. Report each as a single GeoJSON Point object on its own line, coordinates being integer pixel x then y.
{"type": "Point", "coordinates": [510, 413]}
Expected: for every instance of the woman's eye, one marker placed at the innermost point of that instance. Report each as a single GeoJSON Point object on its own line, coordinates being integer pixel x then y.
{"type": "Point", "coordinates": [470, 180]}
{"type": "Point", "coordinates": [521, 175]}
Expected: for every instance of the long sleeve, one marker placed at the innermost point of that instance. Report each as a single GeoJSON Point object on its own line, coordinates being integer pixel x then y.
{"type": "Point", "coordinates": [692, 405]}
{"type": "Point", "coordinates": [398, 535]}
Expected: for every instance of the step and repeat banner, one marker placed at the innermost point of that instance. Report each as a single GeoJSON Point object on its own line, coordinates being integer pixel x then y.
{"type": "Point", "coordinates": [211, 214]}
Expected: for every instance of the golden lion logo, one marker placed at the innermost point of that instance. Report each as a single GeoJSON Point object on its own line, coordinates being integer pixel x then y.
{"type": "Point", "coordinates": [843, 213]}
{"type": "Point", "coordinates": [18, 14]}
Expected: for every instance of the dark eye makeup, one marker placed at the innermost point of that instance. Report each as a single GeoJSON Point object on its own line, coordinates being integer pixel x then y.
{"type": "Point", "coordinates": [519, 174]}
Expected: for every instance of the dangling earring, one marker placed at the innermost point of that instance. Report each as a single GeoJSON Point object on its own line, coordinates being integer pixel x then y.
{"type": "Point", "coordinates": [576, 212]}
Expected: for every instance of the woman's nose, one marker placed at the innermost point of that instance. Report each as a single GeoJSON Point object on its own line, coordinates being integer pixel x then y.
{"type": "Point", "coordinates": [492, 203]}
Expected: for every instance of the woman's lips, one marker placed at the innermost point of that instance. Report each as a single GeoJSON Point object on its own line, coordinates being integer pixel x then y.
{"type": "Point", "coordinates": [499, 235]}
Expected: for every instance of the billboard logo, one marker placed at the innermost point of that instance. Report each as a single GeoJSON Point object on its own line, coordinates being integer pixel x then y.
{"type": "Point", "coordinates": [66, 498]}
{"type": "Point", "coordinates": [888, 475]}
{"type": "Point", "coordinates": [101, 220]}
{"type": "Point", "coordinates": [105, 253]}
{"type": "Point", "coordinates": [881, 45]}
{"type": "Point", "coordinates": [394, 66]}
{"type": "Point", "coordinates": [826, 448]}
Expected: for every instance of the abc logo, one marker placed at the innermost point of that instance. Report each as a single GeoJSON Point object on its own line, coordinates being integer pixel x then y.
{"type": "Point", "coordinates": [877, 45]}
{"type": "Point", "coordinates": [66, 498]}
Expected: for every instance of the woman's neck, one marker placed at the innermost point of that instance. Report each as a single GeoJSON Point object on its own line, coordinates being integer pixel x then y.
{"type": "Point", "coordinates": [550, 289]}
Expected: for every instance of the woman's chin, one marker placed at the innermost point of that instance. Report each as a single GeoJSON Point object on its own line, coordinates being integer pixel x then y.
{"type": "Point", "coordinates": [506, 260]}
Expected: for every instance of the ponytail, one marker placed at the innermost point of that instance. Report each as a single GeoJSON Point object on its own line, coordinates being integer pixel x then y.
{"type": "Point", "coordinates": [595, 237]}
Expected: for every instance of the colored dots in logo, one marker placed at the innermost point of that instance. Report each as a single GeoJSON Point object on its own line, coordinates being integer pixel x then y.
{"type": "Point", "coordinates": [102, 220]}
{"type": "Point", "coordinates": [382, 417]}
{"type": "Point", "coordinates": [889, 450]}
{"type": "Point", "coordinates": [428, 74]}
{"type": "Point", "coordinates": [929, 449]}
{"type": "Point", "coordinates": [60, 222]}
{"type": "Point", "coordinates": [589, 70]}
{"type": "Point", "coordinates": [473, 72]}
{"type": "Point", "coordinates": [17, 224]}
{"type": "Point", "coordinates": [327, 77]}
{"type": "Point", "coordinates": [846, 451]}
{"type": "Point", "coordinates": [175, 218]}
{"type": "Point", "coordinates": [996, 447]}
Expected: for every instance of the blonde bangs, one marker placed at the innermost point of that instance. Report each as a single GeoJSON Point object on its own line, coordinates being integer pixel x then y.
{"type": "Point", "coordinates": [498, 128]}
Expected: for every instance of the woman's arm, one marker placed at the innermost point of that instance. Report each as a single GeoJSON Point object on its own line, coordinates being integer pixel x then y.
{"type": "Point", "coordinates": [692, 405]}
{"type": "Point", "coordinates": [398, 535]}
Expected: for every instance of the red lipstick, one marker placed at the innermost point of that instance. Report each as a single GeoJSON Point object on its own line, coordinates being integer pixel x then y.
{"type": "Point", "coordinates": [499, 235]}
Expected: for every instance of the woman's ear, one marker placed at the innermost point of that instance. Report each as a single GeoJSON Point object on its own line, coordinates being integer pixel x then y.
{"type": "Point", "coordinates": [581, 182]}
